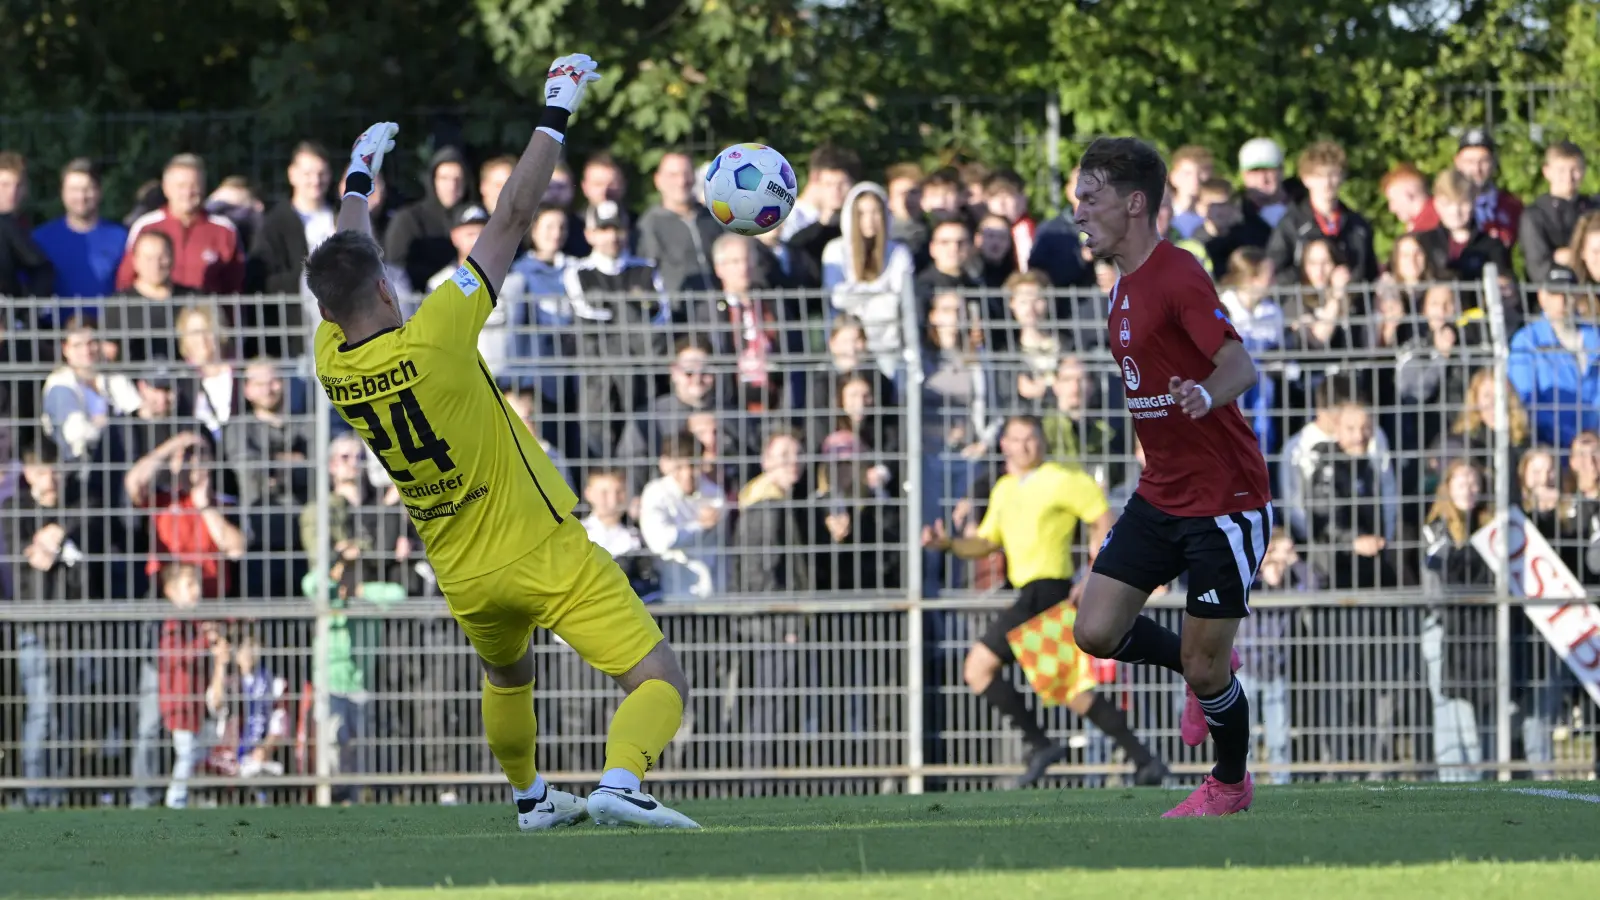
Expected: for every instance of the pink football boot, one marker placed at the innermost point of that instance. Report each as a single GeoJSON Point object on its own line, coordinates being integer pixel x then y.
{"type": "Point", "coordinates": [1213, 798]}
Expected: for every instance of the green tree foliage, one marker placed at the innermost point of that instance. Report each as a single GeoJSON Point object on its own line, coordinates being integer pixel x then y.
{"type": "Point", "coordinates": [931, 80]}
{"type": "Point", "coordinates": [1391, 82]}
{"type": "Point", "coordinates": [1577, 112]}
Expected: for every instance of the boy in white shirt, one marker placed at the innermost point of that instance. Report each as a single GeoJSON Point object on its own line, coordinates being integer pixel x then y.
{"type": "Point", "coordinates": [681, 519]}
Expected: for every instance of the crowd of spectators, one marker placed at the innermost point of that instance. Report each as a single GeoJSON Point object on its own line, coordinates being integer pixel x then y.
{"type": "Point", "coordinates": [737, 411]}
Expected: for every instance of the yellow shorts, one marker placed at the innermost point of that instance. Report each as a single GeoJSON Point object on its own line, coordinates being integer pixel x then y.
{"type": "Point", "coordinates": [569, 585]}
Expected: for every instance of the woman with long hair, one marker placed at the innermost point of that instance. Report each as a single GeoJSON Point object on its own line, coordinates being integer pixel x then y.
{"type": "Point", "coordinates": [1458, 510]}
{"type": "Point", "coordinates": [1409, 265]}
{"type": "Point", "coordinates": [209, 396]}
{"type": "Point", "coordinates": [855, 525]}
{"type": "Point", "coordinates": [1583, 487]}
{"type": "Point", "coordinates": [874, 432]}
{"type": "Point", "coordinates": [1584, 461]}
{"type": "Point", "coordinates": [1543, 501]}
{"type": "Point", "coordinates": [1465, 632]}
{"type": "Point", "coordinates": [1319, 314]}
{"type": "Point", "coordinates": [1472, 435]}
{"type": "Point", "coordinates": [957, 427]}
{"type": "Point", "coordinates": [1401, 290]}
{"type": "Point", "coordinates": [867, 274]}
{"type": "Point", "coordinates": [956, 390]}
{"type": "Point", "coordinates": [1538, 677]}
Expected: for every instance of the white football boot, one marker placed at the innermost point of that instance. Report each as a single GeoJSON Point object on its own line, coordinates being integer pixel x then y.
{"type": "Point", "coordinates": [558, 808]}
{"type": "Point", "coordinates": [620, 806]}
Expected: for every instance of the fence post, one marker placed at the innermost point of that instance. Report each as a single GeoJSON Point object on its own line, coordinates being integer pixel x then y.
{"type": "Point", "coordinates": [323, 748]}
{"type": "Point", "coordinates": [911, 400]}
{"type": "Point", "coordinates": [1495, 304]}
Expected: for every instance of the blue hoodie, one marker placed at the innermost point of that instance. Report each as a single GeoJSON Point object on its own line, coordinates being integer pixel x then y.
{"type": "Point", "coordinates": [1560, 389]}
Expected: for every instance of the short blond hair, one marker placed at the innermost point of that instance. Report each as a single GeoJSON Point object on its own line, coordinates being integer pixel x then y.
{"type": "Point", "coordinates": [1194, 153]}
{"type": "Point", "coordinates": [1320, 155]}
{"type": "Point", "coordinates": [1451, 185]}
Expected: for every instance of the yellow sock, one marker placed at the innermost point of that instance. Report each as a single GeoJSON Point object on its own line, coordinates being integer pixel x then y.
{"type": "Point", "coordinates": [509, 725]}
{"type": "Point", "coordinates": [644, 723]}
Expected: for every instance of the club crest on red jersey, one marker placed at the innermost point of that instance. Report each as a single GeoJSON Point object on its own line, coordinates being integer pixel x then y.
{"type": "Point", "coordinates": [1125, 333]}
{"type": "Point", "coordinates": [1130, 373]}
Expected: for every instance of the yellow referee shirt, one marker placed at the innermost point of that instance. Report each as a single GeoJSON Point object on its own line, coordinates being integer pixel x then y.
{"type": "Point", "coordinates": [1035, 516]}
{"type": "Point", "coordinates": [478, 486]}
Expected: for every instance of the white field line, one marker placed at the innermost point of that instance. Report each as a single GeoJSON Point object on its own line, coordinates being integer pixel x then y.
{"type": "Point", "coordinates": [1550, 793]}
{"type": "Point", "coordinates": [1557, 795]}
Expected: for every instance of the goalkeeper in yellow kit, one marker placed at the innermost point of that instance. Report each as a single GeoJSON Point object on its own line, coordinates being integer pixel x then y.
{"type": "Point", "coordinates": [493, 513]}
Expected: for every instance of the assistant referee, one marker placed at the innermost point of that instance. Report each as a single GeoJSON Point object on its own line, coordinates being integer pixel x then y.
{"type": "Point", "coordinates": [1033, 516]}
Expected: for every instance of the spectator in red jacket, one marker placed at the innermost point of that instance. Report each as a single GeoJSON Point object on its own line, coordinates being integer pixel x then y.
{"type": "Point", "coordinates": [206, 252]}
{"type": "Point", "coordinates": [187, 525]}
{"type": "Point", "coordinates": [1497, 212]}
{"type": "Point", "coordinates": [1407, 192]}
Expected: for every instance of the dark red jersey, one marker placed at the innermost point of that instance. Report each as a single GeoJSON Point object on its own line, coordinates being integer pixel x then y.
{"type": "Point", "coordinates": [1166, 322]}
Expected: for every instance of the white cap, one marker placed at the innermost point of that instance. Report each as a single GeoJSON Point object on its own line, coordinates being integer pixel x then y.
{"type": "Point", "coordinates": [1260, 153]}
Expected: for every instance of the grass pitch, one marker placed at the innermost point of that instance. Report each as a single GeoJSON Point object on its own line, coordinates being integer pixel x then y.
{"type": "Point", "coordinates": [1313, 841]}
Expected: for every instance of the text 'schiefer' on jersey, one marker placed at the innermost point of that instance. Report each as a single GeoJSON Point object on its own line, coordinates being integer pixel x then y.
{"type": "Point", "coordinates": [1167, 322]}
{"type": "Point", "coordinates": [476, 483]}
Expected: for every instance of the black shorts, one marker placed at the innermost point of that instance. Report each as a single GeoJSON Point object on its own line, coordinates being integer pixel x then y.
{"type": "Point", "coordinates": [1148, 548]}
{"type": "Point", "coordinates": [1034, 598]}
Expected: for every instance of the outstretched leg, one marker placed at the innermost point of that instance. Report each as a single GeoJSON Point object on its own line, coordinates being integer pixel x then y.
{"type": "Point", "coordinates": [640, 730]}
{"type": "Point", "coordinates": [511, 729]}
{"type": "Point", "coordinates": [647, 719]}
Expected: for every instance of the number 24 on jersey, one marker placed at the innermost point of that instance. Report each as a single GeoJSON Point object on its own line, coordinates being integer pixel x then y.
{"type": "Point", "coordinates": [405, 417]}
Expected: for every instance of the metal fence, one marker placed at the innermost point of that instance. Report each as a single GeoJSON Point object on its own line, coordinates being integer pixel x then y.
{"type": "Point", "coordinates": [174, 483]}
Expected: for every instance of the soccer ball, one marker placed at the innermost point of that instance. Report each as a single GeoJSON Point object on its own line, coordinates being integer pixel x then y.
{"type": "Point", "coordinates": [750, 188]}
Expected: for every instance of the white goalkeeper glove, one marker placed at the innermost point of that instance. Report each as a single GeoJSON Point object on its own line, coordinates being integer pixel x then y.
{"type": "Point", "coordinates": [563, 92]}
{"type": "Point", "coordinates": [366, 157]}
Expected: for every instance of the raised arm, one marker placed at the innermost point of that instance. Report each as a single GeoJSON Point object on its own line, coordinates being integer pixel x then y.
{"type": "Point", "coordinates": [501, 239]}
{"type": "Point", "coordinates": [366, 160]}
{"type": "Point", "coordinates": [143, 472]}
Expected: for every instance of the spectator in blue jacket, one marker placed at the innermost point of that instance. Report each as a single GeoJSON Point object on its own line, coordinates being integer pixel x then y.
{"type": "Point", "coordinates": [1554, 364]}
{"type": "Point", "coordinates": [84, 248]}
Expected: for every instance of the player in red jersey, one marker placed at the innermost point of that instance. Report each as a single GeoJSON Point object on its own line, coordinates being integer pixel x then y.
{"type": "Point", "coordinates": [1203, 505]}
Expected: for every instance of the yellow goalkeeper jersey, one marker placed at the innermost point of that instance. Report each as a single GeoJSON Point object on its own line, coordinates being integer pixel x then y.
{"type": "Point", "coordinates": [477, 484]}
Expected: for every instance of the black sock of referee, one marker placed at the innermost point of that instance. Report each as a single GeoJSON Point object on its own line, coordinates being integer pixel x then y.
{"type": "Point", "coordinates": [1147, 642]}
{"type": "Point", "coordinates": [1110, 720]}
{"type": "Point", "coordinates": [1006, 699]}
{"type": "Point", "coordinates": [1228, 714]}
